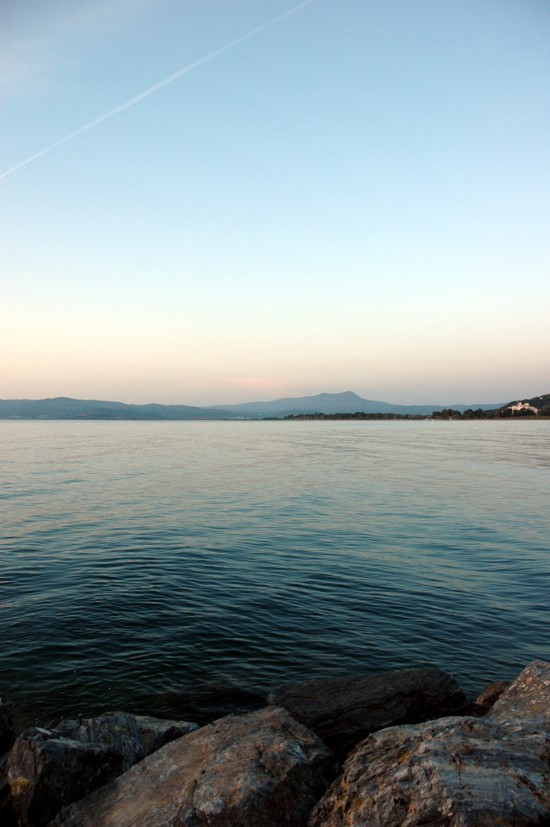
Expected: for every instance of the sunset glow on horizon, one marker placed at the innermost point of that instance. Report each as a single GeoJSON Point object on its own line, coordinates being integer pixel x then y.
{"type": "Point", "coordinates": [207, 204]}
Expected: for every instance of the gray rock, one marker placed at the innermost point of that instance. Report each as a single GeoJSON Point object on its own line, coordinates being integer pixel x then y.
{"type": "Point", "coordinates": [117, 731]}
{"type": "Point", "coordinates": [49, 769]}
{"type": "Point", "coordinates": [6, 740]}
{"type": "Point", "coordinates": [457, 771]}
{"type": "Point", "coordinates": [156, 732]}
{"type": "Point", "coordinates": [527, 698]}
{"type": "Point", "coordinates": [491, 693]}
{"type": "Point", "coordinates": [6, 722]}
{"type": "Point", "coordinates": [133, 736]}
{"type": "Point", "coordinates": [342, 711]}
{"type": "Point", "coordinates": [460, 772]}
{"type": "Point", "coordinates": [46, 771]}
{"type": "Point", "coordinates": [262, 769]}
{"type": "Point", "coordinates": [7, 818]}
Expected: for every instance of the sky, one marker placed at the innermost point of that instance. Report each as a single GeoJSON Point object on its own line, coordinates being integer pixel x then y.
{"type": "Point", "coordinates": [220, 201]}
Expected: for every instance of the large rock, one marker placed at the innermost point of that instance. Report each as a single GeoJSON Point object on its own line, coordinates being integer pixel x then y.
{"type": "Point", "coordinates": [457, 771]}
{"type": "Point", "coordinates": [133, 736]}
{"type": "Point", "coordinates": [490, 694]}
{"type": "Point", "coordinates": [6, 722]}
{"type": "Point", "coordinates": [117, 731]}
{"type": "Point", "coordinates": [7, 818]}
{"type": "Point", "coordinates": [49, 768]}
{"type": "Point", "coordinates": [46, 771]}
{"type": "Point", "coordinates": [155, 733]}
{"type": "Point", "coordinates": [526, 698]}
{"type": "Point", "coordinates": [342, 711]}
{"type": "Point", "coordinates": [6, 740]}
{"type": "Point", "coordinates": [262, 769]}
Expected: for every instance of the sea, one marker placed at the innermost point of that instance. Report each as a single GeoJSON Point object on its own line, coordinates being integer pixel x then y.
{"type": "Point", "coordinates": [185, 569]}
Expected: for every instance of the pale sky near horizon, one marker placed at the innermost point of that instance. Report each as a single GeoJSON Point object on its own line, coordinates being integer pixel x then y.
{"type": "Point", "coordinates": [354, 196]}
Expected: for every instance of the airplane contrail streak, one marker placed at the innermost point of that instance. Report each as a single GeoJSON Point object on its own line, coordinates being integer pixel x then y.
{"type": "Point", "coordinates": [155, 88]}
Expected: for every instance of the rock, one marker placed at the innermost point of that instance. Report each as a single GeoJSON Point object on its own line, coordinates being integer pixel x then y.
{"type": "Point", "coordinates": [262, 769]}
{"type": "Point", "coordinates": [491, 693]}
{"type": "Point", "coordinates": [6, 723]}
{"type": "Point", "coordinates": [133, 736]}
{"type": "Point", "coordinates": [46, 771]}
{"type": "Point", "coordinates": [6, 740]}
{"type": "Point", "coordinates": [527, 698]}
{"type": "Point", "coordinates": [156, 732]}
{"type": "Point", "coordinates": [460, 772]}
{"type": "Point", "coordinates": [117, 731]}
{"type": "Point", "coordinates": [48, 768]}
{"type": "Point", "coordinates": [342, 711]}
{"type": "Point", "coordinates": [7, 818]}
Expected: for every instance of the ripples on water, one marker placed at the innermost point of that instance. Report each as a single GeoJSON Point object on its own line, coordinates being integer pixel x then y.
{"type": "Point", "coordinates": [149, 565]}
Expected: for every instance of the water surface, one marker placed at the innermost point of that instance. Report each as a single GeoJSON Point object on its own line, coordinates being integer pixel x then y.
{"type": "Point", "coordinates": [160, 566]}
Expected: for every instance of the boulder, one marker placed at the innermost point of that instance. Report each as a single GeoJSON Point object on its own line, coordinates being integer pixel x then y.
{"type": "Point", "coordinates": [49, 768]}
{"type": "Point", "coordinates": [7, 818]}
{"type": "Point", "coordinates": [6, 723]}
{"type": "Point", "coordinates": [46, 770]}
{"type": "Point", "coordinates": [527, 697]}
{"type": "Point", "coordinates": [6, 740]}
{"type": "Point", "coordinates": [342, 711]}
{"type": "Point", "coordinates": [491, 693]}
{"type": "Point", "coordinates": [133, 736]}
{"type": "Point", "coordinates": [456, 771]}
{"type": "Point", "coordinates": [262, 769]}
{"type": "Point", "coordinates": [156, 732]}
{"type": "Point", "coordinates": [117, 731]}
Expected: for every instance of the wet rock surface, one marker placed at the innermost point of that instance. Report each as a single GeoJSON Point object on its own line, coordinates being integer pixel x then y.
{"type": "Point", "coordinates": [342, 711]}
{"type": "Point", "coordinates": [262, 769]}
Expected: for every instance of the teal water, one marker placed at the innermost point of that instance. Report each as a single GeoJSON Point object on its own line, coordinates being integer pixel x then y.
{"type": "Point", "coordinates": [189, 566]}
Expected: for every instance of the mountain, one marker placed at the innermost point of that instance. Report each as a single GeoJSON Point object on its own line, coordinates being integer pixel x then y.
{"type": "Point", "coordinates": [62, 407]}
{"type": "Point", "coordinates": [333, 403]}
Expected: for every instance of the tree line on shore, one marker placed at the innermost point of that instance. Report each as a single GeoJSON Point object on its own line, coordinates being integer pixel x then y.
{"type": "Point", "coordinates": [447, 413]}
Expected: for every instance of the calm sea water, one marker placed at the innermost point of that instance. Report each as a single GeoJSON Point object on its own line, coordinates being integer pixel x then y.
{"type": "Point", "coordinates": [175, 567]}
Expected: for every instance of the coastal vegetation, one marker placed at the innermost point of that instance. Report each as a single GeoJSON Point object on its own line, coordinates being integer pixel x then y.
{"type": "Point", "coordinates": [536, 408]}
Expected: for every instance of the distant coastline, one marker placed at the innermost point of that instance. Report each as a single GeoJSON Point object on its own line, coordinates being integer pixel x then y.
{"type": "Point", "coordinates": [336, 406]}
{"type": "Point", "coordinates": [436, 415]}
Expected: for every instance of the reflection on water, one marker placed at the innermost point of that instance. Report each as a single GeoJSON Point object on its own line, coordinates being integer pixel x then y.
{"type": "Point", "coordinates": [157, 565]}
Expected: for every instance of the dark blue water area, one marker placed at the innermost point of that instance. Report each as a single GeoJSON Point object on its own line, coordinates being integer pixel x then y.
{"type": "Point", "coordinates": [189, 568]}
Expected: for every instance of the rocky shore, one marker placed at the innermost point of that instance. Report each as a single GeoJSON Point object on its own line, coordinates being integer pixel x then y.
{"type": "Point", "coordinates": [397, 749]}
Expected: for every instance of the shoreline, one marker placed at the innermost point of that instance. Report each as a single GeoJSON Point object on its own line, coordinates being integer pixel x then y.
{"type": "Point", "coordinates": [313, 751]}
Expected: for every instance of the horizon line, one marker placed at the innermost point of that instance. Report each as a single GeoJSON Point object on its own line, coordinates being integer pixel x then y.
{"type": "Point", "coordinates": [222, 405]}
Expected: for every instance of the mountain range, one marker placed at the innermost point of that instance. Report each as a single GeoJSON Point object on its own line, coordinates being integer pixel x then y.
{"type": "Point", "coordinates": [62, 407]}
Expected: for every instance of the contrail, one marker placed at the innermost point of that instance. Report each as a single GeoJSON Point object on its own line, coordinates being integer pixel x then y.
{"type": "Point", "coordinates": [155, 88]}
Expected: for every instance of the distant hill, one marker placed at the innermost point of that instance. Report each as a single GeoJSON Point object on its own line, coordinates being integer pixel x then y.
{"type": "Point", "coordinates": [541, 403]}
{"type": "Point", "coordinates": [62, 407]}
{"type": "Point", "coordinates": [334, 403]}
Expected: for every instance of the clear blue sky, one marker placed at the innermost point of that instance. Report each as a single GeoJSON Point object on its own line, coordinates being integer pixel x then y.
{"type": "Point", "coordinates": [356, 196]}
